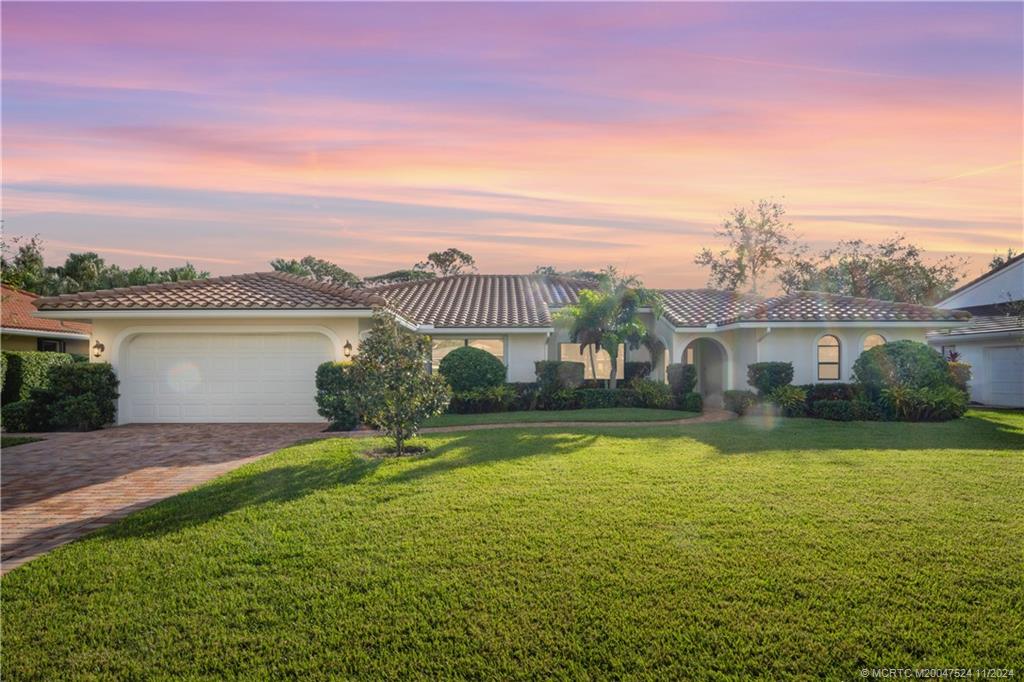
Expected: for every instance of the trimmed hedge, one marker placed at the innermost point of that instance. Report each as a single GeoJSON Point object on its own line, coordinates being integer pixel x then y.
{"type": "Point", "coordinates": [831, 391]}
{"type": "Point", "coordinates": [907, 364]}
{"type": "Point", "coordinates": [27, 370]}
{"type": "Point", "coordinates": [480, 400]}
{"type": "Point", "coordinates": [3, 371]}
{"type": "Point", "coordinates": [470, 369]}
{"type": "Point", "coordinates": [333, 386]}
{"type": "Point", "coordinates": [559, 374]}
{"type": "Point", "coordinates": [653, 394]}
{"type": "Point", "coordinates": [739, 401]}
{"type": "Point", "coordinates": [24, 416]}
{"type": "Point", "coordinates": [594, 398]}
{"type": "Point", "coordinates": [768, 376]}
{"type": "Point", "coordinates": [682, 378]}
{"type": "Point", "coordinates": [81, 396]}
{"type": "Point", "coordinates": [690, 402]}
{"type": "Point", "coordinates": [636, 370]}
{"type": "Point", "coordinates": [845, 410]}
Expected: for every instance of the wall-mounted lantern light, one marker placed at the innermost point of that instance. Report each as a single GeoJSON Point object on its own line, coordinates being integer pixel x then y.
{"type": "Point", "coordinates": [97, 349]}
{"type": "Point", "coordinates": [347, 348]}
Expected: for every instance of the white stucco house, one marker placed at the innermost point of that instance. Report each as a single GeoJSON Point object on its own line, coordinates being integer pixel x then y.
{"type": "Point", "coordinates": [244, 348]}
{"type": "Point", "coordinates": [992, 341]}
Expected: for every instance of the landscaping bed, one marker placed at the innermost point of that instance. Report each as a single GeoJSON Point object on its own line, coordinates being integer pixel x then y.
{"type": "Point", "coordinates": [774, 548]}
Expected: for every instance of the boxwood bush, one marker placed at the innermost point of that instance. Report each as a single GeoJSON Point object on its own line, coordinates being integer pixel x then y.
{"type": "Point", "coordinates": [27, 370]}
{"type": "Point", "coordinates": [906, 364]}
{"type": "Point", "coordinates": [594, 398]}
{"type": "Point", "coordinates": [81, 396]}
{"type": "Point", "coordinates": [636, 370]}
{"type": "Point", "coordinates": [831, 391]}
{"type": "Point", "coordinates": [739, 401]}
{"type": "Point", "coordinates": [845, 410]}
{"type": "Point", "coordinates": [333, 399]}
{"type": "Point", "coordinates": [558, 374]}
{"type": "Point", "coordinates": [469, 369]}
{"type": "Point", "coordinates": [491, 399]}
{"type": "Point", "coordinates": [653, 394]}
{"type": "Point", "coordinates": [24, 416]}
{"type": "Point", "coordinates": [768, 376]}
{"type": "Point", "coordinates": [690, 402]}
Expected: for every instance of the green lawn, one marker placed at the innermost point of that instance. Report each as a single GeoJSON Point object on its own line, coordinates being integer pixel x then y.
{"type": "Point", "coordinates": [611, 414]}
{"type": "Point", "coordinates": [11, 441]}
{"type": "Point", "coordinates": [773, 548]}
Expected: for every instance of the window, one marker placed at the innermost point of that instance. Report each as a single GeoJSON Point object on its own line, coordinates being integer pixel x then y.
{"type": "Point", "coordinates": [50, 345]}
{"type": "Point", "coordinates": [828, 358]}
{"type": "Point", "coordinates": [442, 346]}
{"type": "Point", "coordinates": [688, 356]}
{"type": "Point", "coordinates": [872, 340]}
{"type": "Point", "coordinates": [570, 352]}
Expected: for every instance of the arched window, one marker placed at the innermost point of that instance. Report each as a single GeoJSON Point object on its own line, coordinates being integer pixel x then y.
{"type": "Point", "coordinates": [828, 358]}
{"type": "Point", "coordinates": [872, 340]}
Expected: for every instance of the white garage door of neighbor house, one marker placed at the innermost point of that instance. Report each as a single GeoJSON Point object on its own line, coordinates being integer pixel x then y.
{"type": "Point", "coordinates": [1006, 376]}
{"type": "Point", "coordinates": [221, 377]}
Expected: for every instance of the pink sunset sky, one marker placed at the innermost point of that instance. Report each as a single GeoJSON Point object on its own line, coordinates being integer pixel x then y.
{"type": "Point", "coordinates": [573, 135]}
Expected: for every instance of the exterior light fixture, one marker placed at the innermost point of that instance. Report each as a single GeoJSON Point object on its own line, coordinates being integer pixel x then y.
{"type": "Point", "coordinates": [347, 348]}
{"type": "Point", "coordinates": [97, 349]}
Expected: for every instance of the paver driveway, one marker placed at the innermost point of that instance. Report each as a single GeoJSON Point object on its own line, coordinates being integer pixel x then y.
{"type": "Point", "coordinates": [70, 484]}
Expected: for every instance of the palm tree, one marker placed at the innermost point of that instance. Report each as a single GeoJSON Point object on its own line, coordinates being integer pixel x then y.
{"type": "Point", "coordinates": [608, 316]}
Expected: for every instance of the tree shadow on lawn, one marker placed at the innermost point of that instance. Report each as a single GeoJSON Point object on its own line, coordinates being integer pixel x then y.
{"type": "Point", "coordinates": [282, 484]}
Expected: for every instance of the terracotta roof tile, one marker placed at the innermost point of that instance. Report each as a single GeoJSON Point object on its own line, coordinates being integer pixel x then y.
{"type": "Point", "coordinates": [700, 307]}
{"type": "Point", "coordinates": [482, 300]}
{"type": "Point", "coordinates": [816, 306]}
{"type": "Point", "coordinates": [16, 310]}
{"type": "Point", "coordinates": [255, 291]}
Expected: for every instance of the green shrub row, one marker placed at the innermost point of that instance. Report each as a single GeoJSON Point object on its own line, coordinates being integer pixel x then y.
{"type": "Point", "coordinates": [75, 396]}
{"type": "Point", "coordinates": [27, 370]}
{"type": "Point", "coordinates": [515, 397]}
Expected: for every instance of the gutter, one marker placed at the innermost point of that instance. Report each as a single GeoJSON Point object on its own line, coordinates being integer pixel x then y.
{"type": "Point", "coordinates": [70, 336]}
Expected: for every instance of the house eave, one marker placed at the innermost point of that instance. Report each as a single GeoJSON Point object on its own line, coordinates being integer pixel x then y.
{"type": "Point", "coordinates": [44, 333]}
{"type": "Point", "coordinates": [177, 313]}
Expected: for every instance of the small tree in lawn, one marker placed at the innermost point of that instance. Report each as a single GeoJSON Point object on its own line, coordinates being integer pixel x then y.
{"type": "Point", "coordinates": [392, 388]}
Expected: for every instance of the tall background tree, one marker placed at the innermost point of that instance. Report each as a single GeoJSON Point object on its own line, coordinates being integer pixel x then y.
{"type": "Point", "coordinates": [999, 260]}
{"type": "Point", "coordinates": [892, 270]}
{"type": "Point", "coordinates": [317, 269]}
{"type": "Point", "coordinates": [758, 238]}
{"type": "Point", "coordinates": [607, 316]}
{"type": "Point", "coordinates": [448, 262]}
{"type": "Point", "coordinates": [23, 266]}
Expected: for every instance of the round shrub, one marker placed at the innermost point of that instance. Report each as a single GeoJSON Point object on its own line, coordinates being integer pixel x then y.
{"type": "Point", "coordinates": [739, 401]}
{"type": "Point", "coordinates": [470, 369]}
{"type": "Point", "coordinates": [768, 376]}
{"type": "Point", "coordinates": [691, 402]}
{"type": "Point", "coordinates": [905, 364]}
{"type": "Point", "coordinates": [653, 394]}
{"type": "Point", "coordinates": [333, 395]}
{"type": "Point", "coordinates": [81, 396]}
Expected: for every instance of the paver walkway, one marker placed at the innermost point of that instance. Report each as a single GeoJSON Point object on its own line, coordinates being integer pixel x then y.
{"type": "Point", "coordinates": [71, 484]}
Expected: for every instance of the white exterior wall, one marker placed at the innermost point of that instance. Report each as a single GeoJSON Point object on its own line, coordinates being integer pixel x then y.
{"type": "Point", "coordinates": [1007, 284]}
{"type": "Point", "coordinates": [523, 351]}
{"type": "Point", "coordinates": [990, 358]}
{"type": "Point", "coordinates": [797, 345]}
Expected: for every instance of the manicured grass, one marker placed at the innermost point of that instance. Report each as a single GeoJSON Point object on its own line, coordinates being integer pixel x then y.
{"type": "Point", "coordinates": [611, 414]}
{"type": "Point", "coordinates": [794, 548]}
{"type": "Point", "coordinates": [11, 441]}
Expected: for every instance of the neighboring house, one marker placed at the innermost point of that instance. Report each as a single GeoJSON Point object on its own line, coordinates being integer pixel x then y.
{"type": "Point", "coordinates": [245, 347]}
{"type": "Point", "coordinates": [992, 342]}
{"type": "Point", "coordinates": [21, 330]}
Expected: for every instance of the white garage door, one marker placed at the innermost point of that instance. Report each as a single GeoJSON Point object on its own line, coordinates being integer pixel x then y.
{"type": "Point", "coordinates": [1006, 376]}
{"type": "Point", "coordinates": [221, 377]}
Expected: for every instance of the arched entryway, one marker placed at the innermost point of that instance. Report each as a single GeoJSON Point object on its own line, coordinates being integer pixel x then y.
{"type": "Point", "coordinates": [710, 358]}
